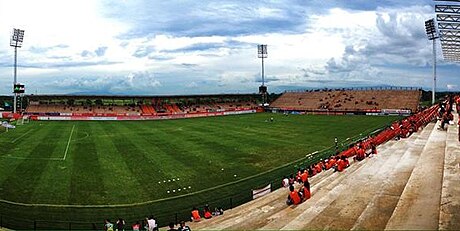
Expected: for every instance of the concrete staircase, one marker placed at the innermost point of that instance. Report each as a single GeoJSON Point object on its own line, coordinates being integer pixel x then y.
{"type": "Point", "coordinates": [412, 183]}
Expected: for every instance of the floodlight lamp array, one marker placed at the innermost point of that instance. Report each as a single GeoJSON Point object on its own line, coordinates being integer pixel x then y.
{"type": "Point", "coordinates": [448, 23]}
{"type": "Point", "coordinates": [17, 38]}
{"type": "Point", "coordinates": [430, 29]}
{"type": "Point", "coordinates": [262, 51]}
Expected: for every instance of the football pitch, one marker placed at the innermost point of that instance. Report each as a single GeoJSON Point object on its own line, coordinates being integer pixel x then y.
{"type": "Point", "coordinates": [61, 164]}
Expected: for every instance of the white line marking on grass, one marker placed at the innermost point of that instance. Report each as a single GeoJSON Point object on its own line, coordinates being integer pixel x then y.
{"type": "Point", "coordinates": [30, 158]}
{"type": "Point", "coordinates": [68, 143]}
{"type": "Point", "coordinates": [21, 136]}
{"type": "Point", "coordinates": [86, 136]}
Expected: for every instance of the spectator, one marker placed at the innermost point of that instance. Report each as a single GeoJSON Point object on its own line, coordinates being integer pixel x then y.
{"type": "Point", "coordinates": [304, 176]}
{"type": "Point", "coordinates": [218, 211]}
{"type": "Point", "coordinates": [340, 166]}
{"type": "Point", "coordinates": [347, 163]}
{"type": "Point", "coordinates": [151, 223]}
{"type": "Point", "coordinates": [336, 144]}
{"type": "Point", "coordinates": [305, 191]}
{"type": "Point", "coordinates": [171, 227]}
{"type": "Point", "coordinates": [319, 167]}
{"type": "Point", "coordinates": [360, 153]}
{"type": "Point", "coordinates": [108, 226]}
{"type": "Point", "coordinates": [136, 226]}
{"type": "Point", "coordinates": [373, 150]}
{"type": "Point", "coordinates": [331, 163]}
{"type": "Point", "coordinates": [298, 176]}
{"type": "Point", "coordinates": [458, 130]}
{"type": "Point", "coordinates": [291, 179]}
{"type": "Point", "coordinates": [207, 212]}
{"type": "Point", "coordinates": [444, 120]}
{"type": "Point", "coordinates": [312, 170]}
{"type": "Point", "coordinates": [195, 214]}
{"type": "Point", "coordinates": [294, 197]}
{"type": "Point", "coordinates": [120, 224]}
{"type": "Point", "coordinates": [285, 182]}
{"type": "Point", "coordinates": [145, 224]}
{"type": "Point", "coordinates": [183, 227]}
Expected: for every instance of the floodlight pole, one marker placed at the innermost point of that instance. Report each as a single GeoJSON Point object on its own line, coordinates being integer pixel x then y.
{"type": "Point", "coordinates": [432, 35]}
{"type": "Point", "coordinates": [263, 78]}
{"type": "Point", "coordinates": [433, 97]}
{"type": "Point", "coordinates": [15, 76]}
{"type": "Point", "coordinates": [262, 53]}
{"type": "Point", "coordinates": [16, 41]}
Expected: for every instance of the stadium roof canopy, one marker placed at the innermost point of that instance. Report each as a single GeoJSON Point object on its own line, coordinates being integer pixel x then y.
{"type": "Point", "coordinates": [448, 18]}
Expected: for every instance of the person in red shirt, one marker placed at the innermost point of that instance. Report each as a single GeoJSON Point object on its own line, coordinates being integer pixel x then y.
{"type": "Point", "coordinates": [298, 176]}
{"type": "Point", "coordinates": [346, 162]}
{"type": "Point", "coordinates": [305, 191]}
{"type": "Point", "coordinates": [293, 198]}
{"type": "Point", "coordinates": [319, 167]}
{"type": "Point", "coordinates": [340, 165]}
{"type": "Point", "coordinates": [360, 153]}
{"type": "Point", "coordinates": [304, 176]}
{"type": "Point", "coordinates": [196, 214]}
{"type": "Point", "coordinates": [207, 212]}
{"type": "Point", "coordinates": [332, 161]}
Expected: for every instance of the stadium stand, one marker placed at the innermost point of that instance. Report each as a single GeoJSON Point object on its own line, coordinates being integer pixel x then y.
{"type": "Point", "coordinates": [350, 100]}
{"type": "Point", "coordinates": [131, 107]}
{"type": "Point", "coordinates": [410, 184]}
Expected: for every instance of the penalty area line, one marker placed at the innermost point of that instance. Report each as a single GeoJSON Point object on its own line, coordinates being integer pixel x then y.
{"type": "Point", "coordinates": [30, 158]}
{"type": "Point", "coordinates": [21, 136]}
{"type": "Point", "coordinates": [68, 143]}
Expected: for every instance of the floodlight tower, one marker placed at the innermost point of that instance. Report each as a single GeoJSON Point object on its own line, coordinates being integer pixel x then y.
{"type": "Point", "coordinates": [16, 41]}
{"type": "Point", "coordinates": [262, 53]}
{"type": "Point", "coordinates": [432, 35]}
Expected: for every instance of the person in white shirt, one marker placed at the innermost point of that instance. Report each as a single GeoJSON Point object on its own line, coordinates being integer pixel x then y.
{"type": "Point", "coordinates": [152, 224]}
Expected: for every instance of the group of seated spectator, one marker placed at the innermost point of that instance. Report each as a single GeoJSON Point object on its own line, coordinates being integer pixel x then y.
{"type": "Point", "coordinates": [207, 213]}
{"type": "Point", "coordinates": [119, 225]}
{"type": "Point", "coordinates": [148, 224]}
{"type": "Point", "coordinates": [181, 227]}
{"type": "Point", "coordinates": [445, 113]}
{"type": "Point", "coordinates": [366, 147]}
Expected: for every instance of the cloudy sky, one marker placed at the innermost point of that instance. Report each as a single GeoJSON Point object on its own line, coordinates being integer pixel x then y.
{"type": "Point", "coordinates": [159, 47]}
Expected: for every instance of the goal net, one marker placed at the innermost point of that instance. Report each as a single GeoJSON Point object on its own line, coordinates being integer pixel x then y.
{"type": "Point", "coordinates": [23, 120]}
{"type": "Point", "coordinates": [5, 126]}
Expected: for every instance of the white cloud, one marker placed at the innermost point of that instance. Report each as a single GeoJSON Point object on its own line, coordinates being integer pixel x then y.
{"type": "Point", "coordinates": [452, 87]}
{"type": "Point", "coordinates": [88, 46]}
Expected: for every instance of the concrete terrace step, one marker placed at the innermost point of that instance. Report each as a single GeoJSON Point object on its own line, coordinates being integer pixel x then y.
{"type": "Point", "coordinates": [270, 211]}
{"type": "Point", "coordinates": [254, 219]}
{"type": "Point", "coordinates": [324, 194]}
{"type": "Point", "coordinates": [263, 204]}
{"type": "Point", "coordinates": [318, 199]}
{"type": "Point", "coordinates": [381, 206]}
{"type": "Point", "coordinates": [419, 204]}
{"type": "Point", "coordinates": [268, 204]}
{"type": "Point", "coordinates": [449, 217]}
{"type": "Point", "coordinates": [353, 197]}
{"type": "Point", "coordinates": [278, 219]}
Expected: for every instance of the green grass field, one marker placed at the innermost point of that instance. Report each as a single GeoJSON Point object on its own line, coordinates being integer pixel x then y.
{"type": "Point", "coordinates": [127, 162]}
